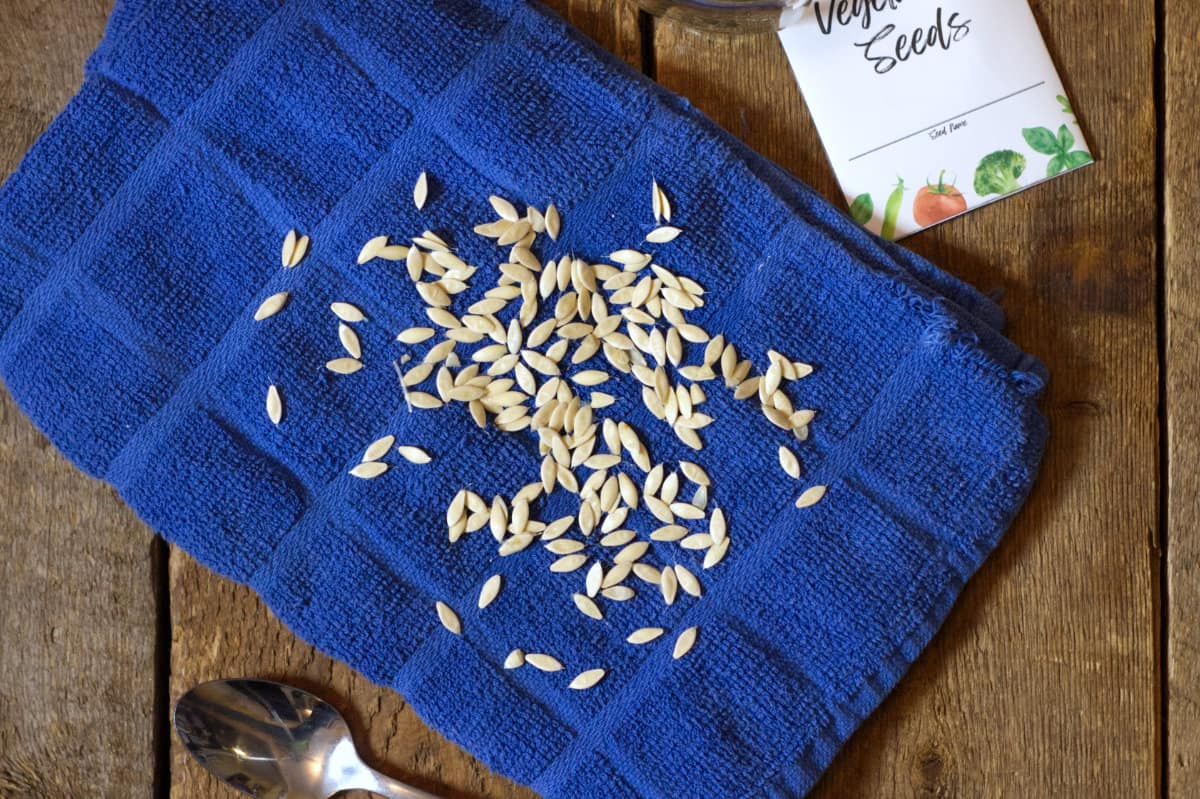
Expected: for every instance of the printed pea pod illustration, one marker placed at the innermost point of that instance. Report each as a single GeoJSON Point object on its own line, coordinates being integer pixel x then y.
{"type": "Point", "coordinates": [891, 212]}
{"type": "Point", "coordinates": [862, 209]}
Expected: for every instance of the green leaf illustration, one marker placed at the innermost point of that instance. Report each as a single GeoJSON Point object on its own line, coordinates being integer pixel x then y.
{"type": "Point", "coordinates": [862, 209]}
{"type": "Point", "coordinates": [1057, 164]}
{"type": "Point", "coordinates": [1066, 140]}
{"type": "Point", "coordinates": [1078, 159]}
{"type": "Point", "coordinates": [1042, 140]}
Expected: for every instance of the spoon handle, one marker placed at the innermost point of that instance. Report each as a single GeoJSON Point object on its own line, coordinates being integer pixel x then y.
{"type": "Point", "coordinates": [394, 789]}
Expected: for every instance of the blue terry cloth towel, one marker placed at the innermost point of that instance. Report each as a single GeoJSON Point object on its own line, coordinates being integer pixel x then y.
{"type": "Point", "coordinates": [142, 234]}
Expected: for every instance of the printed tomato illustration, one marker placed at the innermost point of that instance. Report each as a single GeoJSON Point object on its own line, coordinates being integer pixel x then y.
{"type": "Point", "coordinates": [938, 201]}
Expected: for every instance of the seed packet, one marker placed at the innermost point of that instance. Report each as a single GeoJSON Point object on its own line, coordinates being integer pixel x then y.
{"type": "Point", "coordinates": [931, 108]}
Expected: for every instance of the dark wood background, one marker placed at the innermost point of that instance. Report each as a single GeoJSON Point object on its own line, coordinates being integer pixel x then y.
{"type": "Point", "coordinates": [1071, 667]}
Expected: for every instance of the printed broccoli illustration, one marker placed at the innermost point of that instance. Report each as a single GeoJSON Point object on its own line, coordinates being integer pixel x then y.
{"type": "Point", "coordinates": [998, 172]}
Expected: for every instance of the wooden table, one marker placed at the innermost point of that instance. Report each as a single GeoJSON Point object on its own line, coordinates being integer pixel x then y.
{"type": "Point", "coordinates": [1071, 666]}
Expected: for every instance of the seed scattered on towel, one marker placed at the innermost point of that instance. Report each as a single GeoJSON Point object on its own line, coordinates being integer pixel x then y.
{"type": "Point", "coordinates": [349, 339]}
{"type": "Point", "coordinates": [415, 335]}
{"type": "Point", "coordinates": [347, 312]}
{"type": "Point", "coordinates": [344, 366]}
{"type": "Point", "coordinates": [274, 405]}
{"type": "Point", "coordinates": [421, 191]}
{"type": "Point", "coordinates": [449, 618]}
{"type": "Point", "coordinates": [669, 584]}
{"type": "Point", "coordinates": [716, 554]}
{"type": "Point", "coordinates": [645, 635]}
{"type": "Point", "coordinates": [369, 470]}
{"type": "Point", "coordinates": [490, 590]}
{"type": "Point", "coordinates": [568, 563]}
{"type": "Point", "coordinates": [271, 306]}
{"type": "Point", "coordinates": [289, 248]}
{"type": "Point", "coordinates": [661, 204]}
{"type": "Point", "coordinates": [595, 577]}
{"type": "Point", "coordinates": [787, 460]}
{"type": "Point", "coordinates": [519, 359]}
{"type": "Point", "coordinates": [371, 249]}
{"type": "Point", "coordinates": [687, 580]}
{"type": "Point", "coordinates": [662, 235]}
{"type": "Point", "coordinates": [380, 447]}
{"type": "Point", "coordinates": [811, 496]}
{"type": "Point", "coordinates": [543, 662]}
{"type": "Point", "coordinates": [413, 454]}
{"type": "Point", "coordinates": [685, 642]}
{"type": "Point", "coordinates": [588, 679]}
{"type": "Point", "coordinates": [587, 606]}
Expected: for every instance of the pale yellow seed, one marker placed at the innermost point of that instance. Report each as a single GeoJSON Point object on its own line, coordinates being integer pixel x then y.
{"type": "Point", "coordinates": [515, 659]}
{"type": "Point", "coordinates": [595, 577]}
{"type": "Point", "coordinates": [619, 593]}
{"type": "Point", "coordinates": [590, 377]}
{"type": "Point", "coordinates": [347, 312]}
{"type": "Point", "coordinates": [421, 399]}
{"type": "Point", "coordinates": [553, 221]}
{"type": "Point", "coordinates": [669, 532]}
{"type": "Point", "coordinates": [413, 454]}
{"type": "Point", "coordinates": [421, 191]}
{"type": "Point", "coordinates": [350, 340]}
{"type": "Point", "coordinates": [371, 249]}
{"type": "Point", "coordinates": [448, 618]}
{"type": "Point", "coordinates": [716, 554]}
{"type": "Point", "coordinates": [564, 546]}
{"type": "Point", "coordinates": [685, 642]}
{"type": "Point", "coordinates": [300, 251]}
{"type": "Point", "coordinates": [271, 306]}
{"type": "Point", "coordinates": [274, 405]}
{"type": "Point", "coordinates": [568, 563]}
{"type": "Point", "coordinates": [344, 366]}
{"type": "Point", "coordinates": [645, 635]}
{"type": "Point", "coordinates": [587, 679]}
{"type": "Point", "coordinates": [543, 662]}
{"type": "Point", "coordinates": [504, 208]}
{"type": "Point", "coordinates": [687, 581]}
{"type": "Point", "coordinates": [489, 591]}
{"type": "Point", "coordinates": [370, 470]}
{"type": "Point", "coordinates": [415, 335]}
{"type": "Point", "coordinates": [717, 526]}
{"type": "Point", "coordinates": [811, 496]}
{"type": "Point", "coordinates": [662, 235]}
{"type": "Point", "coordinates": [788, 461]}
{"type": "Point", "coordinates": [587, 606]}
{"type": "Point", "coordinates": [380, 447]}
{"type": "Point", "coordinates": [669, 584]}
{"type": "Point", "coordinates": [289, 248]}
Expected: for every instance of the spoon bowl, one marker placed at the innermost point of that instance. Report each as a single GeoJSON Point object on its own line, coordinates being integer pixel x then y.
{"type": "Point", "coordinates": [276, 741]}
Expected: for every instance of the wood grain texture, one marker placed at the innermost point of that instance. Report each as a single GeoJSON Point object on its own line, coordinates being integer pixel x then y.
{"type": "Point", "coordinates": [1182, 361]}
{"type": "Point", "coordinates": [223, 630]}
{"type": "Point", "coordinates": [1043, 682]}
{"type": "Point", "coordinates": [76, 585]}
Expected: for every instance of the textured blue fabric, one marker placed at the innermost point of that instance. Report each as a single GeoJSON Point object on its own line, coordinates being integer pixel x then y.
{"type": "Point", "coordinates": [143, 229]}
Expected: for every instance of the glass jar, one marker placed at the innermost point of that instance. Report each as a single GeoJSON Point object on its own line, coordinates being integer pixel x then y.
{"type": "Point", "coordinates": [730, 16]}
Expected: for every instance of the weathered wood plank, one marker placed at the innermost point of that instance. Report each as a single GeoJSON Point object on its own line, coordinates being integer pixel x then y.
{"type": "Point", "coordinates": [221, 629]}
{"type": "Point", "coordinates": [76, 586]}
{"type": "Point", "coordinates": [1182, 295]}
{"type": "Point", "coordinates": [1043, 682]}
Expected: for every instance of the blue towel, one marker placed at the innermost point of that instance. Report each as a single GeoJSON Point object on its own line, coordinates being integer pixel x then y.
{"type": "Point", "coordinates": [143, 230]}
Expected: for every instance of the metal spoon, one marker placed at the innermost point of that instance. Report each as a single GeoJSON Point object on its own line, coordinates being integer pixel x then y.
{"type": "Point", "coordinates": [272, 741]}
